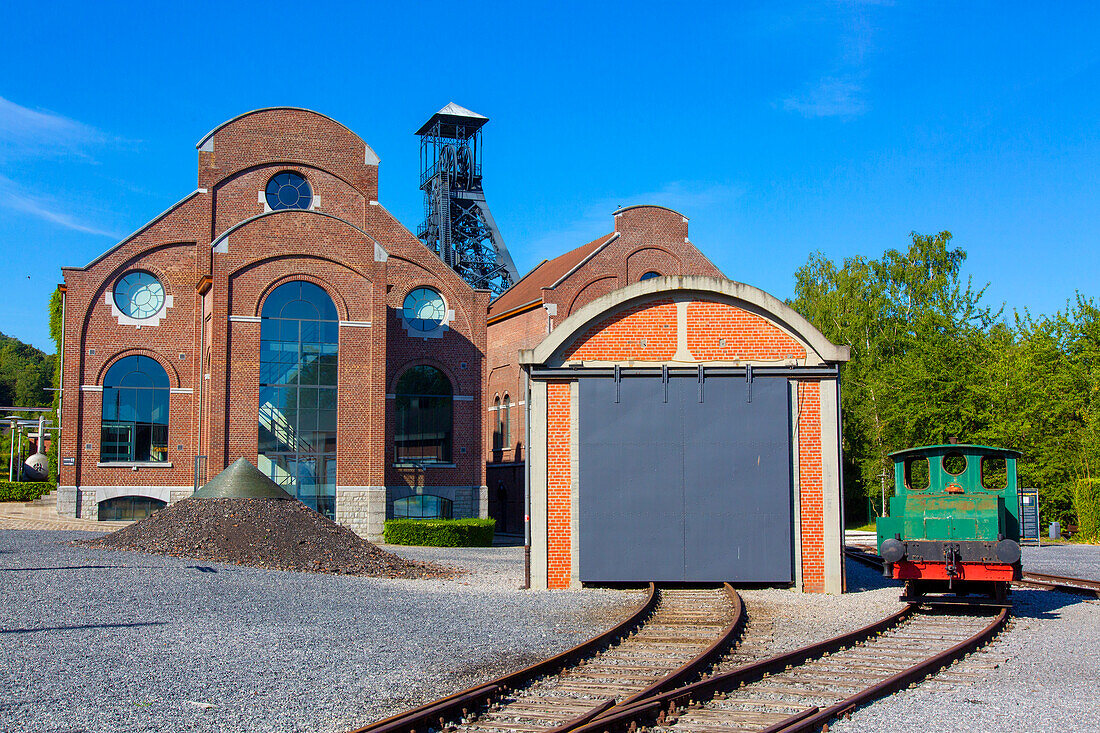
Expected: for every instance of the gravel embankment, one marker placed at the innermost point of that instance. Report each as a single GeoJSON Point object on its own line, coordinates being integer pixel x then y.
{"type": "Point", "coordinates": [275, 534]}
{"type": "Point", "coordinates": [99, 641]}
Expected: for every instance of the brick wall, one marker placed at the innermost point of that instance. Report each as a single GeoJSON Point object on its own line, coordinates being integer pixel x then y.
{"type": "Point", "coordinates": [750, 337]}
{"type": "Point", "coordinates": [810, 487]}
{"type": "Point", "coordinates": [208, 340]}
{"type": "Point", "coordinates": [644, 332]}
{"type": "Point", "coordinates": [559, 480]}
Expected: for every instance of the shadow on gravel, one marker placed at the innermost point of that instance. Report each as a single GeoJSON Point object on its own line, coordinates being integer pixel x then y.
{"type": "Point", "coordinates": [83, 627]}
{"type": "Point", "coordinates": [1041, 604]}
{"type": "Point", "coordinates": [77, 567]}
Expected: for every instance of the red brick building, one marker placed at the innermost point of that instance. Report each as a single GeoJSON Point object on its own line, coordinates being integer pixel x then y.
{"type": "Point", "coordinates": [682, 426]}
{"type": "Point", "coordinates": [647, 241]}
{"type": "Point", "coordinates": [277, 313]}
{"type": "Point", "coordinates": [685, 429]}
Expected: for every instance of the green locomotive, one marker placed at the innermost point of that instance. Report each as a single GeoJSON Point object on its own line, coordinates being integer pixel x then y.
{"type": "Point", "coordinates": [954, 525]}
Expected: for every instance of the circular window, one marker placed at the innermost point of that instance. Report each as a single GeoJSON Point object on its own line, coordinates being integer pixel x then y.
{"type": "Point", "coordinates": [954, 463]}
{"type": "Point", "coordinates": [288, 190]}
{"type": "Point", "coordinates": [139, 295]}
{"type": "Point", "coordinates": [650, 275]}
{"type": "Point", "coordinates": [424, 309]}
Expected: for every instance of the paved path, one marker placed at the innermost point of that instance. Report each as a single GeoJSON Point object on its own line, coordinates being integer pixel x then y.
{"type": "Point", "coordinates": [20, 515]}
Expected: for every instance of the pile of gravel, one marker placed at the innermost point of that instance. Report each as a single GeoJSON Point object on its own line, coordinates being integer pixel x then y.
{"type": "Point", "coordinates": [264, 533]}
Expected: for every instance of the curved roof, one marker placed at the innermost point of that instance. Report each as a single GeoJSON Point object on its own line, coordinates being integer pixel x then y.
{"type": "Point", "coordinates": [960, 447]}
{"type": "Point", "coordinates": [621, 209]}
{"type": "Point", "coordinates": [211, 134]}
{"type": "Point", "coordinates": [776, 309]}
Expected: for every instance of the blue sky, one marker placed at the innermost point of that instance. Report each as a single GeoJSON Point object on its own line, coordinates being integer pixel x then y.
{"type": "Point", "coordinates": [777, 128]}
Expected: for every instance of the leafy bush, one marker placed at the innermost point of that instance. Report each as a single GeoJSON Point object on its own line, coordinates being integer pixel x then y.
{"type": "Point", "coordinates": [1086, 500]}
{"type": "Point", "coordinates": [440, 532]}
{"type": "Point", "coordinates": [24, 491]}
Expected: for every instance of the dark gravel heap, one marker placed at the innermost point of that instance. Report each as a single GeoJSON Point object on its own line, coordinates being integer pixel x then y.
{"type": "Point", "coordinates": [263, 533]}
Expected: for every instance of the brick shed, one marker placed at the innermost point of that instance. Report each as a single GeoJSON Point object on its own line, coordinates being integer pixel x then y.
{"type": "Point", "coordinates": [685, 429]}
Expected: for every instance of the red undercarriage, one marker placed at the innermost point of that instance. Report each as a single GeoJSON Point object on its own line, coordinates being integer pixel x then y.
{"type": "Point", "coordinates": [905, 570]}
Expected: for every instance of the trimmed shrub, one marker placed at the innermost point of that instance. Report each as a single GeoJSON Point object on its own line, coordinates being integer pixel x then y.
{"type": "Point", "coordinates": [440, 532]}
{"type": "Point", "coordinates": [24, 490]}
{"type": "Point", "coordinates": [1086, 500]}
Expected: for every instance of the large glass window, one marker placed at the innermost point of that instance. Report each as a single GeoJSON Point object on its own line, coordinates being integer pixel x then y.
{"type": "Point", "coordinates": [424, 416]}
{"type": "Point", "coordinates": [135, 411]}
{"type": "Point", "coordinates": [422, 507]}
{"type": "Point", "coordinates": [299, 334]}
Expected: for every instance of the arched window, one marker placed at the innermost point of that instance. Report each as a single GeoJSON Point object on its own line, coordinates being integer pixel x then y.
{"type": "Point", "coordinates": [649, 275]}
{"type": "Point", "coordinates": [127, 508]}
{"type": "Point", "coordinates": [424, 415]}
{"type": "Point", "coordinates": [422, 507]}
{"type": "Point", "coordinates": [135, 411]}
{"type": "Point", "coordinates": [299, 336]}
{"type": "Point", "coordinates": [506, 424]}
{"type": "Point", "coordinates": [498, 433]}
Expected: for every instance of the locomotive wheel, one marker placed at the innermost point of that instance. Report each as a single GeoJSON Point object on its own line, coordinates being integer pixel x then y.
{"type": "Point", "coordinates": [913, 590]}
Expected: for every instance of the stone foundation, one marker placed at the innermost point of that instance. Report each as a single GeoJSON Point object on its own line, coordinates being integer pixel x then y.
{"type": "Point", "coordinates": [362, 509]}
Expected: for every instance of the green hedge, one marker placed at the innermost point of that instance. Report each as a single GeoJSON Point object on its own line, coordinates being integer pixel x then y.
{"type": "Point", "coordinates": [440, 532]}
{"type": "Point", "coordinates": [1086, 500]}
{"type": "Point", "coordinates": [24, 491]}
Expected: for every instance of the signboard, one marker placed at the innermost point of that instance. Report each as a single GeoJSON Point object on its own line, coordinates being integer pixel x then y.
{"type": "Point", "coordinates": [68, 461]}
{"type": "Point", "coordinates": [1029, 517]}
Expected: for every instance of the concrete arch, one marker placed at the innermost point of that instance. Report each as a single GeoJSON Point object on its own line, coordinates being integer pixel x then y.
{"type": "Point", "coordinates": [221, 242]}
{"type": "Point", "coordinates": [710, 288]}
{"type": "Point", "coordinates": [286, 163]}
{"type": "Point", "coordinates": [165, 363]}
{"type": "Point", "coordinates": [335, 296]}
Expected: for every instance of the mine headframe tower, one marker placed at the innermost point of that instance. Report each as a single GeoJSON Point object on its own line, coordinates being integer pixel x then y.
{"type": "Point", "coordinates": [457, 224]}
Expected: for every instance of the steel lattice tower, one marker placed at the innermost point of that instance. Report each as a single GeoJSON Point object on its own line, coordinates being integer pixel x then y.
{"type": "Point", "coordinates": [457, 224]}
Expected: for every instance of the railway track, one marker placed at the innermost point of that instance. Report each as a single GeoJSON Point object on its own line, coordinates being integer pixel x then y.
{"type": "Point", "coordinates": [673, 637]}
{"type": "Point", "coordinates": [804, 689]}
{"type": "Point", "coordinates": [1079, 586]}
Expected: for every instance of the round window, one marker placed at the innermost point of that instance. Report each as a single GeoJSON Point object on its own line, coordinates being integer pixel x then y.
{"type": "Point", "coordinates": [954, 463]}
{"type": "Point", "coordinates": [424, 309]}
{"type": "Point", "coordinates": [139, 295]}
{"type": "Point", "coordinates": [288, 190]}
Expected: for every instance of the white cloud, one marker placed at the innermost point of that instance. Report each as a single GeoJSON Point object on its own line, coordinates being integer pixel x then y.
{"type": "Point", "coordinates": [830, 97]}
{"type": "Point", "coordinates": [28, 132]}
{"type": "Point", "coordinates": [12, 197]}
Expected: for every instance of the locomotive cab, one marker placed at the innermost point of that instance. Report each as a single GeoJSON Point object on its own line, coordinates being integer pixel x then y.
{"type": "Point", "coordinates": [953, 526]}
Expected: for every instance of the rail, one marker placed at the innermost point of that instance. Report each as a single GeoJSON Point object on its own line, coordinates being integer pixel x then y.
{"type": "Point", "coordinates": [467, 705]}
{"type": "Point", "coordinates": [697, 707]}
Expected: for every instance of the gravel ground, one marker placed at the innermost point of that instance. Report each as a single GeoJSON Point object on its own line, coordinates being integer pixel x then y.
{"type": "Point", "coordinates": [1046, 676]}
{"type": "Point", "coordinates": [97, 641]}
{"type": "Point", "coordinates": [1078, 561]}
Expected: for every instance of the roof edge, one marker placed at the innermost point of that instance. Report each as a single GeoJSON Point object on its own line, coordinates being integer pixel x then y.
{"type": "Point", "coordinates": [230, 121]}
{"type": "Point", "coordinates": [621, 209]}
{"type": "Point", "coordinates": [578, 321]}
{"type": "Point", "coordinates": [976, 447]}
{"type": "Point", "coordinates": [141, 229]}
{"type": "Point", "coordinates": [599, 248]}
